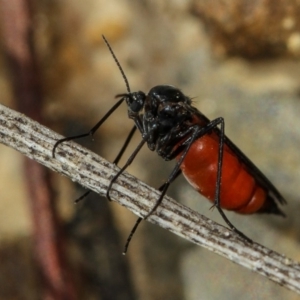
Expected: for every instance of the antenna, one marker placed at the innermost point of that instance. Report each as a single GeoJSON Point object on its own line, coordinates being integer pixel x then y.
{"type": "Point", "coordinates": [118, 64]}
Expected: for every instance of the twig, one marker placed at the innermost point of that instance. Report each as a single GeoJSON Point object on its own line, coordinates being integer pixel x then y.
{"type": "Point", "coordinates": [93, 172]}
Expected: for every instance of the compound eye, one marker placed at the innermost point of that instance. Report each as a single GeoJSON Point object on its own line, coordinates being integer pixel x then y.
{"type": "Point", "coordinates": [135, 106]}
{"type": "Point", "coordinates": [135, 101]}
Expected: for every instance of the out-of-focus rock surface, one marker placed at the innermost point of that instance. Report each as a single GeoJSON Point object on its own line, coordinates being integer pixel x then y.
{"type": "Point", "coordinates": [252, 29]}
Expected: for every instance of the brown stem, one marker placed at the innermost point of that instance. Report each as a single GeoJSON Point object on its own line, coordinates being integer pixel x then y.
{"type": "Point", "coordinates": [17, 25]}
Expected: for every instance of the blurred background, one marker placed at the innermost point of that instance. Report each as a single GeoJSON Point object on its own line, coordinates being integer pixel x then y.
{"type": "Point", "coordinates": [236, 59]}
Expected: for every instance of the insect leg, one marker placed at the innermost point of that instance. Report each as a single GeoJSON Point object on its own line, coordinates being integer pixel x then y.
{"type": "Point", "coordinates": [132, 232]}
{"type": "Point", "coordinates": [82, 197]}
{"type": "Point", "coordinates": [92, 131]}
{"type": "Point", "coordinates": [188, 141]}
{"type": "Point", "coordinates": [217, 202]}
{"type": "Point", "coordinates": [116, 161]}
{"type": "Point", "coordinates": [138, 221]}
{"type": "Point", "coordinates": [195, 133]}
{"type": "Point", "coordinates": [163, 185]}
{"type": "Point", "coordinates": [124, 147]}
{"type": "Point", "coordinates": [184, 147]}
{"type": "Point", "coordinates": [129, 161]}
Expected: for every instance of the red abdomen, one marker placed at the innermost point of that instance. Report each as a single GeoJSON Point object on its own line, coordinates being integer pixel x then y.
{"type": "Point", "coordinates": [239, 190]}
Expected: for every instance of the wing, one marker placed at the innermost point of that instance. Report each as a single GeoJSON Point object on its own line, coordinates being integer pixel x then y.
{"type": "Point", "coordinates": [258, 175]}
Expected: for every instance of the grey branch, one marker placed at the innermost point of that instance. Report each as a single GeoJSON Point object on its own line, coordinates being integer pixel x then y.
{"type": "Point", "coordinates": [93, 172]}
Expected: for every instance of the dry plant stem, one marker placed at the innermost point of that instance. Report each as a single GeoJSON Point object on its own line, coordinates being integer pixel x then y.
{"type": "Point", "coordinates": [17, 24]}
{"type": "Point", "coordinates": [93, 172]}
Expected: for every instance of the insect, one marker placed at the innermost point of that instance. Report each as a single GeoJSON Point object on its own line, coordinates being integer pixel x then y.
{"type": "Point", "coordinates": [210, 162]}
